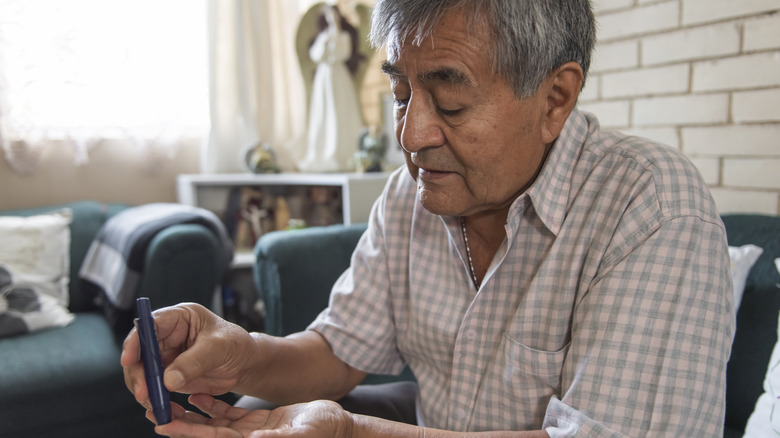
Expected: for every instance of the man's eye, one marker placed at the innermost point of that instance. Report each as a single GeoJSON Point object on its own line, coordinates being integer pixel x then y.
{"type": "Point", "coordinates": [400, 102]}
{"type": "Point", "coordinates": [449, 113]}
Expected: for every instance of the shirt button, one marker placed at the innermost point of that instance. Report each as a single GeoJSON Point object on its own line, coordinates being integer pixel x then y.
{"type": "Point", "coordinates": [471, 334]}
{"type": "Point", "coordinates": [460, 413]}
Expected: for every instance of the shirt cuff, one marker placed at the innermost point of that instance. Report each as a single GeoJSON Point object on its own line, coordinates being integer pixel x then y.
{"type": "Point", "coordinates": [563, 421]}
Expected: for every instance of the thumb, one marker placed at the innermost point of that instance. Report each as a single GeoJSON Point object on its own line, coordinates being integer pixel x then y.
{"type": "Point", "coordinates": [174, 379]}
{"type": "Point", "coordinates": [188, 366]}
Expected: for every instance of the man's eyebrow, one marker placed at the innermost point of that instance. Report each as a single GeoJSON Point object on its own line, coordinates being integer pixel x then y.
{"type": "Point", "coordinates": [447, 75]}
{"type": "Point", "coordinates": [391, 70]}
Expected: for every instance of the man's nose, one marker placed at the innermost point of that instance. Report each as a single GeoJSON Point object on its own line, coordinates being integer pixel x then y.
{"type": "Point", "coordinates": [420, 127]}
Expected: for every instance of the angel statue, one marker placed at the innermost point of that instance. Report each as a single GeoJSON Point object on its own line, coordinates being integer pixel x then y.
{"type": "Point", "coordinates": [332, 55]}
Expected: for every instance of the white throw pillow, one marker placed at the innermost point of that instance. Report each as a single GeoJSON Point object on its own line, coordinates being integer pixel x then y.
{"type": "Point", "coordinates": [742, 260]}
{"type": "Point", "coordinates": [34, 272]}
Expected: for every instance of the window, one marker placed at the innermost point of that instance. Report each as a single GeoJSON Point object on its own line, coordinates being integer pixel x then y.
{"type": "Point", "coordinates": [83, 71]}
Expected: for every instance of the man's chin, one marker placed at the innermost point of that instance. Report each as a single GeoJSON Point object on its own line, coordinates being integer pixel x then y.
{"type": "Point", "coordinates": [436, 205]}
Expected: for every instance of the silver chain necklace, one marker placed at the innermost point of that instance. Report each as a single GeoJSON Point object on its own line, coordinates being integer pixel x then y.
{"type": "Point", "coordinates": [468, 251]}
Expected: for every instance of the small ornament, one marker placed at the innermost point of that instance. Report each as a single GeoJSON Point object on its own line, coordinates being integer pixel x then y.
{"type": "Point", "coordinates": [371, 150]}
{"type": "Point", "coordinates": [261, 158]}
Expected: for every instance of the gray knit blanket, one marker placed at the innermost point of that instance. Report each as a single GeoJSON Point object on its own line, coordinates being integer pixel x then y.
{"type": "Point", "coordinates": [115, 258]}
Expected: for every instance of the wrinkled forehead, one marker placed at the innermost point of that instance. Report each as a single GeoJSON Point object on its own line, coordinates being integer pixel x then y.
{"type": "Point", "coordinates": [423, 31]}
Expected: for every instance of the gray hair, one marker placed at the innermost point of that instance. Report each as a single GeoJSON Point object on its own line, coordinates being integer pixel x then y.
{"type": "Point", "coordinates": [531, 38]}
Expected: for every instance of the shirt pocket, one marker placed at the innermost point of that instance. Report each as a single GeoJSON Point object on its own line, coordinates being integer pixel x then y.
{"type": "Point", "coordinates": [531, 376]}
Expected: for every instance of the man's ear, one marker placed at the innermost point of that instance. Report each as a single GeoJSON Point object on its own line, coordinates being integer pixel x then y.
{"type": "Point", "coordinates": [562, 88]}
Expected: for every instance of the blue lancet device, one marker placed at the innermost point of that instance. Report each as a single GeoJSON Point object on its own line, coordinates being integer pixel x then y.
{"type": "Point", "coordinates": [152, 360]}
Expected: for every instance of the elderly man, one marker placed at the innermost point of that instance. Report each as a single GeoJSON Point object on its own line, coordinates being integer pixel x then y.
{"type": "Point", "coordinates": [540, 276]}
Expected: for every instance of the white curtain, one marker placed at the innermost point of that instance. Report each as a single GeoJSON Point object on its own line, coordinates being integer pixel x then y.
{"type": "Point", "coordinates": [256, 90]}
{"type": "Point", "coordinates": [76, 73]}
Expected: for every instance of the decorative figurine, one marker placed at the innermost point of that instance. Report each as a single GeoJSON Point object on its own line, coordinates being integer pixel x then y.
{"type": "Point", "coordinates": [261, 158]}
{"type": "Point", "coordinates": [371, 150]}
{"type": "Point", "coordinates": [332, 57]}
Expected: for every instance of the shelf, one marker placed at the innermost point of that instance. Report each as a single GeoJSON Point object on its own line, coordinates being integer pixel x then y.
{"type": "Point", "coordinates": [351, 195]}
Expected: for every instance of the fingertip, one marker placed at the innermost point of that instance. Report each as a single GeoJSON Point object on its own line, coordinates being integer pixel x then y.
{"type": "Point", "coordinates": [143, 401]}
{"type": "Point", "coordinates": [201, 400]}
{"type": "Point", "coordinates": [162, 429]}
{"type": "Point", "coordinates": [174, 379]}
{"type": "Point", "coordinates": [150, 417]}
{"type": "Point", "coordinates": [177, 410]}
{"type": "Point", "coordinates": [125, 359]}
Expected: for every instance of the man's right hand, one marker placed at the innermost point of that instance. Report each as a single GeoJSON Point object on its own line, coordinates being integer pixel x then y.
{"type": "Point", "coordinates": [202, 353]}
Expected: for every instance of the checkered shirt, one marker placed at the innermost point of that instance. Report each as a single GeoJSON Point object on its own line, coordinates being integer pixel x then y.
{"type": "Point", "coordinates": [606, 311]}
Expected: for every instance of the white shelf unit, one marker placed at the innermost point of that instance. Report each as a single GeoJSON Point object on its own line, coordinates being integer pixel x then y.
{"type": "Point", "coordinates": [211, 191]}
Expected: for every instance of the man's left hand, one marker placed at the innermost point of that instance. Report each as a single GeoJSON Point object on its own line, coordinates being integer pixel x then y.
{"type": "Point", "coordinates": [315, 419]}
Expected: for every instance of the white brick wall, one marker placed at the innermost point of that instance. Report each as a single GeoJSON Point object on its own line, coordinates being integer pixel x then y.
{"type": "Point", "coordinates": [756, 106]}
{"type": "Point", "coordinates": [688, 109]}
{"type": "Point", "coordinates": [754, 173]}
{"type": "Point", "coordinates": [732, 140]}
{"type": "Point", "coordinates": [703, 11]}
{"type": "Point", "coordinates": [623, 54]}
{"type": "Point", "coordinates": [763, 33]}
{"type": "Point", "coordinates": [642, 82]}
{"type": "Point", "coordinates": [737, 72]}
{"type": "Point", "coordinates": [702, 76]}
{"type": "Point", "coordinates": [696, 43]}
{"type": "Point", "coordinates": [639, 20]}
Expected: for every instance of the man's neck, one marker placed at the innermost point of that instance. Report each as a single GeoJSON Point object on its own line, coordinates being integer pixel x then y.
{"type": "Point", "coordinates": [485, 234]}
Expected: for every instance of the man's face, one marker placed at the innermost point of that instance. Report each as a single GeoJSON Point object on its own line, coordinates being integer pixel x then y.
{"type": "Point", "coordinates": [470, 143]}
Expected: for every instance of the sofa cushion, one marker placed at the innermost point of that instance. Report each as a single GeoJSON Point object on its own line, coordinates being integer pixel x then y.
{"type": "Point", "coordinates": [64, 375]}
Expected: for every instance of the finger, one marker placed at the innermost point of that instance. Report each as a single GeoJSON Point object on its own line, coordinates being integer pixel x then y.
{"type": "Point", "coordinates": [180, 414]}
{"type": "Point", "coordinates": [292, 433]}
{"type": "Point", "coordinates": [131, 366]}
{"type": "Point", "coordinates": [173, 326]}
{"type": "Point", "coordinates": [131, 349]}
{"type": "Point", "coordinates": [135, 382]}
{"type": "Point", "coordinates": [188, 416]}
{"type": "Point", "coordinates": [216, 408]}
{"type": "Point", "coordinates": [150, 416]}
{"type": "Point", "coordinates": [176, 412]}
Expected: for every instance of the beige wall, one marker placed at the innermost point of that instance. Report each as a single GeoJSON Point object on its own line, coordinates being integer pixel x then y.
{"type": "Point", "coordinates": [108, 177]}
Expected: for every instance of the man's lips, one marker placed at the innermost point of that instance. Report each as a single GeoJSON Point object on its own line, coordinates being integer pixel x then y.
{"type": "Point", "coordinates": [432, 174]}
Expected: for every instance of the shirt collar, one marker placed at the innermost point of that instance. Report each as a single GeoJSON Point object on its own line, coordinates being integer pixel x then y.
{"type": "Point", "coordinates": [550, 193]}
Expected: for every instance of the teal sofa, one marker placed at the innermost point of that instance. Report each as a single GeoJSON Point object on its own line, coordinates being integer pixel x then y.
{"type": "Point", "coordinates": [67, 382]}
{"type": "Point", "coordinates": [295, 270]}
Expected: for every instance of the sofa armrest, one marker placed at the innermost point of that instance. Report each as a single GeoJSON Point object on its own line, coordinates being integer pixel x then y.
{"type": "Point", "coordinates": [294, 272]}
{"type": "Point", "coordinates": [183, 263]}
